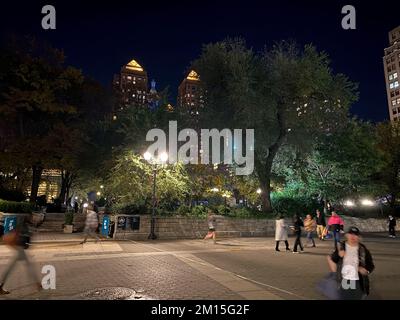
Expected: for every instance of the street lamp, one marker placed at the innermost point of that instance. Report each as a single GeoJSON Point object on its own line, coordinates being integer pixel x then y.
{"type": "Point", "coordinates": [259, 191]}
{"type": "Point", "coordinates": [349, 203]}
{"type": "Point", "coordinates": [367, 202]}
{"type": "Point", "coordinates": [162, 158]}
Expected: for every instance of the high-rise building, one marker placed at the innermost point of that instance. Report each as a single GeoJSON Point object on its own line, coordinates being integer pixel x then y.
{"type": "Point", "coordinates": [391, 63]}
{"type": "Point", "coordinates": [131, 84]}
{"type": "Point", "coordinates": [190, 94]}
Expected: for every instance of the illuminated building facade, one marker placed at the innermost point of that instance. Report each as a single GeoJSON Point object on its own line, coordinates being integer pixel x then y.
{"type": "Point", "coordinates": [190, 94]}
{"type": "Point", "coordinates": [131, 85]}
{"type": "Point", "coordinates": [391, 64]}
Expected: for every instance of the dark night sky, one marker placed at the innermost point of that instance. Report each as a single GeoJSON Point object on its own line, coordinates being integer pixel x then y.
{"type": "Point", "coordinates": [164, 37]}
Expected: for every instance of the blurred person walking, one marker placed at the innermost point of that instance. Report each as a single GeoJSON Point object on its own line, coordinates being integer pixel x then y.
{"type": "Point", "coordinates": [19, 241]}
{"type": "Point", "coordinates": [281, 233]}
{"type": "Point", "coordinates": [352, 263]}
{"type": "Point", "coordinates": [298, 224]}
{"type": "Point", "coordinates": [211, 221]}
{"type": "Point", "coordinates": [91, 225]}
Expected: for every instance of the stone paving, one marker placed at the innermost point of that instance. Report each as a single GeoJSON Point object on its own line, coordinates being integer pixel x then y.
{"type": "Point", "coordinates": [240, 268]}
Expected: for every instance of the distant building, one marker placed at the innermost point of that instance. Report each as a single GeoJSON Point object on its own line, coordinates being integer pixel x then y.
{"type": "Point", "coordinates": [391, 63]}
{"type": "Point", "coordinates": [131, 85]}
{"type": "Point", "coordinates": [190, 95]}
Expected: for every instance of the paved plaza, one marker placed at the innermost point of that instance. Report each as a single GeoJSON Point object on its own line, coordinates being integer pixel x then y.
{"type": "Point", "coordinates": [238, 268]}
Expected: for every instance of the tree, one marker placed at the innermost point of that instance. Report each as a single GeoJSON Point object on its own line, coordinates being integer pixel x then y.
{"type": "Point", "coordinates": [339, 164]}
{"type": "Point", "coordinates": [34, 102]}
{"type": "Point", "coordinates": [286, 94]}
{"type": "Point", "coordinates": [131, 181]}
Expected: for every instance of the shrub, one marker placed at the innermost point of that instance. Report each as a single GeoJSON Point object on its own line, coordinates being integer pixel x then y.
{"type": "Point", "coordinates": [288, 205]}
{"type": "Point", "coordinates": [183, 210]}
{"type": "Point", "coordinates": [12, 195]}
{"type": "Point", "coordinates": [130, 208]}
{"type": "Point", "coordinates": [15, 207]}
{"type": "Point", "coordinates": [199, 211]}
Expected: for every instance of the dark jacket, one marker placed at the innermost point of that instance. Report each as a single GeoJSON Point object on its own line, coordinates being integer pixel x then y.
{"type": "Point", "coordinates": [321, 220]}
{"type": "Point", "coordinates": [298, 223]}
{"type": "Point", "coordinates": [365, 261]}
{"type": "Point", "coordinates": [392, 222]}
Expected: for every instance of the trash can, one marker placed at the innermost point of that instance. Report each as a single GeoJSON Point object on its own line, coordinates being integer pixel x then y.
{"type": "Point", "coordinates": [135, 222]}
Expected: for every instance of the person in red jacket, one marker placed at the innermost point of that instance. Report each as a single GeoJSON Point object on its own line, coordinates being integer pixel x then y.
{"type": "Point", "coordinates": [336, 225]}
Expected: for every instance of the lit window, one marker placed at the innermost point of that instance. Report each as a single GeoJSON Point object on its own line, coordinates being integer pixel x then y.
{"type": "Point", "coordinates": [398, 101]}
{"type": "Point", "coordinates": [129, 77]}
{"type": "Point", "coordinates": [396, 84]}
{"type": "Point", "coordinates": [390, 77]}
{"type": "Point", "coordinates": [393, 102]}
{"type": "Point", "coordinates": [395, 75]}
{"type": "Point", "coordinates": [391, 85]}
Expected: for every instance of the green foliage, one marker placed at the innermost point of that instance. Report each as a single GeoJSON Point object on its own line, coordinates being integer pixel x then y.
{"type": "Point", "coordinates": [131, 208]}
{"type": "Point", "coordinates": [15, 207]}
{"type": "Point", "coordinates": [12, 195]}
{"type": "Point", "coordinates": [199, 211]}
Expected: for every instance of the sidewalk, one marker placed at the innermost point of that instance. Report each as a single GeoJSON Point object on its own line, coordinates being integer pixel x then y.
{"type": "Point", "coordinates": [47, 237]}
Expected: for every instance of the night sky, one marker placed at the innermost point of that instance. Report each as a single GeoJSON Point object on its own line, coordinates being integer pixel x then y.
{"type": "Point", "coordinates": [164, 37]}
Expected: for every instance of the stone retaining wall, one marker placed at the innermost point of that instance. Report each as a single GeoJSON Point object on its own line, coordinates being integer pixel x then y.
{"type": "Point", "coordinates": [194, 228]}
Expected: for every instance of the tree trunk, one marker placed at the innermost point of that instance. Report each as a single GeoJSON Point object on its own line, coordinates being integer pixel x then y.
{"type": "Point", "coordinates": [36, 175]}
{"type": "Point", "coordinates": [66, 181]}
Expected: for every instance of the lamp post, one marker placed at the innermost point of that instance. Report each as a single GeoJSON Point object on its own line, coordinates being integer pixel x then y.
{"type": "Point", "coordinates": [163, 157]}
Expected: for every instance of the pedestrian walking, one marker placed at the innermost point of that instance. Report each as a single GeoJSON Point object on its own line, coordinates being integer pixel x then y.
{"type": "Point", "coordinates": [298, 224]}
{"type": "Point", "coordinates": [19, 241]}
{"type": "Point", "coordinates": [211, 220]}
{"type": "Point", "coordinates": [281, 233]}
{"type": "Point", "coordinates": [392, 226]}
{"type": "Point", "coordinates": [352, 263]}
{"type": "Point", "coordinates": [321, 225]}
{"type": "Point", "coordinates": [91, 224]}
{"type": "Point", "coordinates": [336, 225]}
{"type": "Point", "coordinates": [310, 226]}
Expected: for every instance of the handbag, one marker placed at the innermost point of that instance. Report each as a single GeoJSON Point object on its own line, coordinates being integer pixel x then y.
{"type": "Point", "coordinates": [10, 238]}
{"type": "Point", "coordinates": [328, 287]}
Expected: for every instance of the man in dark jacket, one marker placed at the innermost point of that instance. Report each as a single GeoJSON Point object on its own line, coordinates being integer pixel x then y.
{"type": "Point", "coordinates": [298, 224]}
{"type": "Point", "coordinates": [352, 262]}
{"type": "Point", "coordinates": [392, 226]}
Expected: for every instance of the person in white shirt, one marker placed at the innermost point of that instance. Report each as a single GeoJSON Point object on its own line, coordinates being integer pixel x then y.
{"type": "Point", "coordinates": [352, 262]}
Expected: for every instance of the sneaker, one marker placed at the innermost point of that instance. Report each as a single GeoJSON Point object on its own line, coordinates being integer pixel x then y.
{"type": "Point", "coordinates": [2, 291]}
{"type": "Point", "coordinates": [287, 249]}
{"type": "Point", "coordinates": [277, 250]}
{"type": "Point", "coordinates": [295, 251]}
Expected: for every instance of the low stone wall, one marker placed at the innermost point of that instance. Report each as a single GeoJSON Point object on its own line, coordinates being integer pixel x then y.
{"type": "Point", "coordinates": [194, 228]}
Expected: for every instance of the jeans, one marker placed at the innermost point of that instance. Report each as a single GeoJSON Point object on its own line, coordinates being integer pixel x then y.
{"type": "Point", "coordinates": [336, 237]}
{"type": "Point", "coordinates": [20, 256]}
{"type": "Point", "coordinates": [310, 238]}
{"type": "Point", "coordinates": [392, 231]}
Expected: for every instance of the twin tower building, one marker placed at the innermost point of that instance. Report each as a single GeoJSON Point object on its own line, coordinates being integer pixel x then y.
{"type": "Point", "coordinates": [132, 88]}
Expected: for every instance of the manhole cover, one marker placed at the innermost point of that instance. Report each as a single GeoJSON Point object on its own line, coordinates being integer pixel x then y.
{"type": "Point", "coordinates": [113, 293]}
